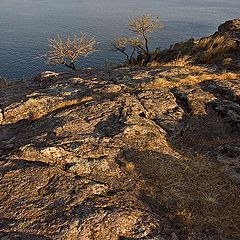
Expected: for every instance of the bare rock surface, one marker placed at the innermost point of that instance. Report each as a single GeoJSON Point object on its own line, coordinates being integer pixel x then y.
{"type": "Point", "coordinates": [86, 157]}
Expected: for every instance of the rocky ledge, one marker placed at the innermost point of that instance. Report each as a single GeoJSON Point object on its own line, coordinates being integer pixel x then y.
{"type": "Point", "coordinates": [143, 153]}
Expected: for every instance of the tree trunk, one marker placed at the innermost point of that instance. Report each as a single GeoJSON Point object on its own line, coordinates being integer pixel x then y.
{"type": "Point", "coordinates": [146, 44]}
{"type": "Point", "coordinates": [71, 65]}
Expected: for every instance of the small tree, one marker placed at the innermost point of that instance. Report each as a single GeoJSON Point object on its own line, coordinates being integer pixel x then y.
{"type": "Point", "coordinates": [68, 51]}
{"type": "Point", "coordinates": [142, 27]}
{"type": "Point", "coordinates": [123, 44]}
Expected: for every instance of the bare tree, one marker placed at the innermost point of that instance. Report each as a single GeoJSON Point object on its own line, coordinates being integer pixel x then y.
{"type": "Point", "coordinates": [126, 46]}
{"type": "Point", "coordinates": [120, 45]}
{"type": "Point", "coordinates": [67, 51]}
{"type": "Point", "coordinates": [143, 26]}
{"type": "Point", "coordinates": [139, 44]}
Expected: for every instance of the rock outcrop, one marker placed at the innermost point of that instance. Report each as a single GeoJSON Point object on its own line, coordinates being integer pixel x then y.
{"type": "Point", "coordinates": [221, 49]}
{"type": "Point", "coordinates": [82, 157]}
{"type": "Point", "coordinates": [230, 26]}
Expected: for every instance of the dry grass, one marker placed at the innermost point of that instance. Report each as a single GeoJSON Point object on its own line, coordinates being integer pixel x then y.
{"type": "Point", "coordinates": [178, 62]}
{"type": "Point", "coordinates": [193, 190]}
{"type": "Point", "coordinates": [210, 50]}
{"type": "Point", "coordinates": [214, 48]}
{"type": "Point", "coordinates": [189, 75]}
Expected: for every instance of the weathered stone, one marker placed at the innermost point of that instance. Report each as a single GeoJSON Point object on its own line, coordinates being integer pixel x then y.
{"type": "Point", "coordinates": [229, 26]}
{"type": "Point", "coordinates": [82, 157]}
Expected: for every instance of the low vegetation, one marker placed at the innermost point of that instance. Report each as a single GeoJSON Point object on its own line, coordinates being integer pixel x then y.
{"type": "Point", "coordinates": [138, 45]}
{"type": "Point", "coordinates": [221, 48]}
{"type": "Point", "coordinates": [122, 44]}
{"type": "Point", "coordinates": [175, 76]}
{"type": "Point", "coordinates": [216, 49]}
{"type": "Point", "coordinates": [136, 48]}
{"type": "Point", "coordinates": [67, 51]}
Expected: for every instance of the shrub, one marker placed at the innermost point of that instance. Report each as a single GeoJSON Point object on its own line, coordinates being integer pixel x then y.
{"type": "Point", "coordinates": [143, 26]}
{"type": "Point", "coordinates": [139, 43]}
{"type": "Point", "coordinates": [67, 51]}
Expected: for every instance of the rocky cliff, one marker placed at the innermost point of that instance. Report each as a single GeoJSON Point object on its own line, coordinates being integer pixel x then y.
{"type": "Point", "coordinates": [127, 153]}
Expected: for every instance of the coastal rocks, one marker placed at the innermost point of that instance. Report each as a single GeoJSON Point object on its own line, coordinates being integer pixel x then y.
{"type": "Point", "coordinates": [60, 205]}
{"type": "Point", "coordinates": [230, 26]}
{"type": "Point", "coordinates": [234, 174]}
{"type": "Point", "coordinates": [50, 155]}
{"type": "Point", "coordinates": [198, 101]}
{"type": "Point", "coordinates": [46, 75]}
{"type": "Point", "coordinates": [85, 158]}
{"type": "Point", "coordinates": [162, 108]}
{"type": "Point", "coordinates": [231, 151]}
{"type": "Point", "coordinates": [123, 224]}
{"type": "Point", "coordinates": [229, 156]}
{"type": "Point", "coordinates": [227, 100]}
{"type": "Point", "coordinates": [230, 30]}
{"type": "Point", "coordinates": [221, 49]}
{"type": "Point", "coordinates": [76, 141]}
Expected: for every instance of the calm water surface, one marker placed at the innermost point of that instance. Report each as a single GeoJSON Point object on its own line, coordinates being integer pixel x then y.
{"type": "Point", "coordinates": [25, 26]}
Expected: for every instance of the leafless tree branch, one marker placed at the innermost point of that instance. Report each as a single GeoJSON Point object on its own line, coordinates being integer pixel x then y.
{"type": "Point", "coordinates": [67, 51]}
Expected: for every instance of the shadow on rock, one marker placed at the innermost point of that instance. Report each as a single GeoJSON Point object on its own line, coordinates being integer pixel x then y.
{"type": "Point", "coordinates": [21, 236]}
